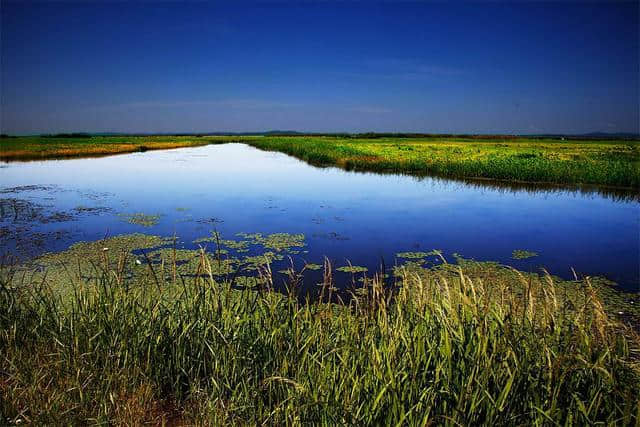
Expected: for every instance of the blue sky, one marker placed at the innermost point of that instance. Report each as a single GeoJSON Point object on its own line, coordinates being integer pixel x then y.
{"type": "Point", "coordinates": [517, 67]}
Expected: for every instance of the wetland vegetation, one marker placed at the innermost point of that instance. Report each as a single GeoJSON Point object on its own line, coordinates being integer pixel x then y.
{"type": "Point", "coordinates": [60, 147]}
{"type": "Point", "coordinates": [611, 163]}
{"type": "Point", "coordinates": [129, 328]}
{"type": "Point", "coordinates": [608, 163]}
{"type": "Point", "coordinates": [167, 260]}
{"type": "Point", "coordinates": [188, 326]}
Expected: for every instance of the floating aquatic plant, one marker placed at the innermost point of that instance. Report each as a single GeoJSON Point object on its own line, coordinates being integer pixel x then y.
{"type": "Point", "coordinates": [408, 267]}
{"type": "Point", "coordinates": [254, 262]}
{"type": "Point", "coordinates": [523, 254]}
{"type": "Point", "coordinates": [418, 255]}
{"type": "Point", "coordinates": [141, 219]}
{"type": "Point", "coordinates": [249, 236]}
{"type": "Point", "coordinates": [282, 241]}
{"type": "Point", "coordinates": [414, 255]}
{"type": "Point", "coordinates": [87, 259]}
{"type": "Point", "coordinates": [277, 241]}
{"type": "Point", "coordinates": [352, 269]}
{"type": "Point", "coordinates": [237, 245]}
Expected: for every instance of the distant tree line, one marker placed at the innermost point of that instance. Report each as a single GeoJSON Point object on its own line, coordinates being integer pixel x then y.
{"type": "Point", "coordinates": [66, 135]}
{"type": "Point", "coordinates": [375, 135]}
{"type": "Point", "coordinates": [363, 135]}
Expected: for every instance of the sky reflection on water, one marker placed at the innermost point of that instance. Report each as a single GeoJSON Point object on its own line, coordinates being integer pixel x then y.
{"type": "Point", "coordinates": [344, 215]}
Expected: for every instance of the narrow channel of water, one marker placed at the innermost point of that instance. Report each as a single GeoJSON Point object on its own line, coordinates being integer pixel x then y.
{"type": "Point", "coordinates": [362, 217]}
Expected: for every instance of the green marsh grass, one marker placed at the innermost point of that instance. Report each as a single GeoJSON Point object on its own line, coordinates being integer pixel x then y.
{"type": "Point", "coordinates": [457, 345]}
{"type": "Point", "coordinates": [41, 148]}
{"type": "Point", "coordinates": [525, 160]}
{"type": "Point", "coordinates": [608, 163]}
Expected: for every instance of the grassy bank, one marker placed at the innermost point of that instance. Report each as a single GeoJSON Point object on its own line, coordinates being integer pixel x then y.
{"type": "Point", "coordinates": [608, 163]}
{"type": "Point", "coordinates": [42, 148]}
{"type": "Point", "coordinates": [117, 337]}
{"type": "Point", "coordinates": [603, 163]}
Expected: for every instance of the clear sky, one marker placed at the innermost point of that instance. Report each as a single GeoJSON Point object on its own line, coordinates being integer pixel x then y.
{"type": "Point", "coordinates": [517, 67]}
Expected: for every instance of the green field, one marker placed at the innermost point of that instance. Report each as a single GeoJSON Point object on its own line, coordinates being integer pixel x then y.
{"type": "Point", "coordinates": [106, 336]}
{"type": "Point", "coordinates": [526, 160]}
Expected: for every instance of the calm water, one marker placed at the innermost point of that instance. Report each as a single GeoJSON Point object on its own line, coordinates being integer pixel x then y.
{"type": "Point", "coordinates": [344, 215]}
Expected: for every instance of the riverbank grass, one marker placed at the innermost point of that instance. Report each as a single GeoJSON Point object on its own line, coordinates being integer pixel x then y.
{"type": "Point", "coordinates": [133, 340]}
{"type": "Point", "coordinates": [609, 163]}
{"type": "Point", "coordinates": [525, 160]}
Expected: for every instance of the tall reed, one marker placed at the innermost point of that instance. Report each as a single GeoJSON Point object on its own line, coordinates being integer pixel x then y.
{"type": "Point", "coordinates": [441, 348]}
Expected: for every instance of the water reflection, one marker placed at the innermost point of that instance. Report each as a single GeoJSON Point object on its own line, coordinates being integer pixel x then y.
{"type": "Point", "coordinates": [362, 217]}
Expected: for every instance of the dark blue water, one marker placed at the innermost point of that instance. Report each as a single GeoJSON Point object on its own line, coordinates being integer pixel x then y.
{"type": "Point", "coordinates": [344, 215]}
